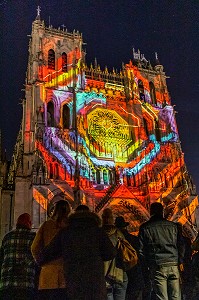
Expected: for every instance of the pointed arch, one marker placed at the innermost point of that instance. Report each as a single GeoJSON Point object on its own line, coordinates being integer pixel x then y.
{"type": "Point", "coordinates": [98, 176]}
{"type": "Point", "coordinates": [66, 117]}
{"type": "Point", "coordinates": [51, 59]}
{"type": "Point", "coordinates": [152, 93]}
{"type": "Point", "coordinates": [157, 131]}
{"type": "Point", "coordinates": [56, 171]}
{"type": "Point", "coordinates": [141, 90]}
{"type": "Point", "coordinates": [110, 177]}
{"type": "Point", "coordinates": [50, 114]}
{"type": "Point", "coordinates": [51, 171]}
{"type": "Point", "coordinates": [105, 176]}
{"type": "Point", "coordinates": [64, 62]}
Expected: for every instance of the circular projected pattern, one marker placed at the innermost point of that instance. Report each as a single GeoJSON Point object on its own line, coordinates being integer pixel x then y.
{"type": "Point", "coordinates": [106, 126]}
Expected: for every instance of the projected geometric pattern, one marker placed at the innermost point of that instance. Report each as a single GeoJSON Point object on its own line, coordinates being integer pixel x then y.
{"type": "Point", "coordinates": [103, 138]}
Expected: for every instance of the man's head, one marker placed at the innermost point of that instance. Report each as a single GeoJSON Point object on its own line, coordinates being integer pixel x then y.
{"type": "Point", "coordinates": [107, 217]}
{"type": "Point", "coordinates": [82, 208]}
{"type": "Point", "coordinates": [24, 221]}
{"type": "Point", "coordinates": [156, 209]}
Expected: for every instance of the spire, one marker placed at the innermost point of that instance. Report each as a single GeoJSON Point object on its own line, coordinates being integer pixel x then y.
{"type": "Point", "coordinates": [95, 63]}
{"type": "Point", "coordinates": [38, 13]}
{"type": "Point", "coordinates": [157, 59]}
{"type": "Point", "coordinates": [158, 67]}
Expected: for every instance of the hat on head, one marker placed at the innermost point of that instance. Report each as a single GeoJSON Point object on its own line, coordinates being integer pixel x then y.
{"type": "Point", "coordinates": [24, 221]}
{"type": "Point", "coordinates": [120, 222]}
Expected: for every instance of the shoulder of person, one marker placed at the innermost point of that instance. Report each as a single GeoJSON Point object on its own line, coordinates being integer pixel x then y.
{"type": "Point", "coordinates": [48, 223]}
{"type": "Point", "coordinates": [145, 224]}
{"type": "Point", "coordinates": [78, 215]}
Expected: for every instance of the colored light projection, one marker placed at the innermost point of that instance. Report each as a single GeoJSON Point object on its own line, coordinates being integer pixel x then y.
{"type": "Point", "coordinates": [126, 136]}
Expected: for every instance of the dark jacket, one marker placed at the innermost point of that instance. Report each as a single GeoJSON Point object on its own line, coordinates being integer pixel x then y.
{"type": "Point", "coordinates": [160, 242]}
{"type": "Point", "coordinates": [84, 247]}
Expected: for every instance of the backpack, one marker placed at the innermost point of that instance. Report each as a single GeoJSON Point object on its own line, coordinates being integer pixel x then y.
{"type": "Point", "coordinates": [126, 255]}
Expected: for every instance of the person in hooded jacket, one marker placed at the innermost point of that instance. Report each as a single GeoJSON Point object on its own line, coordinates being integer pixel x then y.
{"type": "Point", "coordinates": [84, 246]}
{"type": "Point", "coordinates": [51, 277]}
{"type": "Point", "coordinates": [116, 278]}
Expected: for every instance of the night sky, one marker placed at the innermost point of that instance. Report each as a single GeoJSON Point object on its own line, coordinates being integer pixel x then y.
{"type": "Point", "coordinates": [110, 30]}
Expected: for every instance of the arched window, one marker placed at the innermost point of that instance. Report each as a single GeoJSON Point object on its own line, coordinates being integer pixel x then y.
{"type": "Point", "coordinates": [128, 179]}
{"type": "Point", "coordinates": [51, 171]}
{"type": "Point", "coordinates": [145, 126]}
{"type": "Point", "coordinates": [66, 116]}
{"type": "Point", "coordinates": [157, 131]}
{"type": "Point", "coordinates": [141, 90]}
{"type": "Point", "coordinates": [64, 62]}
{"type": "Point", "coordinates": [152, 93]}
{"type": "Point", "coordinates": [110, 177]}
{"type": "Point", "coordinates": [51, 59]}
{"type": "Point", "coordinates": [98, 176]}
{"type": "Point", "coordinates": [105, 176]}
{"type": "Point", "coordinates": [50, 114]}
{"type": "Point", "coordinates": [133, 178]}
{"type": "Point", "coordinates": [56, 171]}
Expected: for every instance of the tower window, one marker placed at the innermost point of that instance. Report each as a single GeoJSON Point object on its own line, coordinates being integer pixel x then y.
{"type": "Point", "coordinates": [66, 116]}
{"type": "Point", "coordinates": [98, 176]}
{"type": "Point", "coordinates": [152, 93]}
{"type": "Point", "coordinates": [51, 172]}
{"type": "Point", "coordinates": [157, 131]}
{"type": "Point", "coordinates": [51, 59]}
{"type": "Point", "coordinates": [50, 114]}
{"type": "Point", "coordinates": [141, 90]}
{"type": "Point", "coordinates": [64, 62]}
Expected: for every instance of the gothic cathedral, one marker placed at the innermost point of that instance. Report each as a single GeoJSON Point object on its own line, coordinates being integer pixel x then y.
{"type": "Point", "coordinates": [104, 139]}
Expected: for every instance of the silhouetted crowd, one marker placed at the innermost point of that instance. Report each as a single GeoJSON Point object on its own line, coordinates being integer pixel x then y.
{"type": "Point", "coordinates": [74, 256]}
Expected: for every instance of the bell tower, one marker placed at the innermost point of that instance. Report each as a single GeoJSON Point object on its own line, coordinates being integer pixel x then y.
{"type": "Point", "coordinates": [55, 56]}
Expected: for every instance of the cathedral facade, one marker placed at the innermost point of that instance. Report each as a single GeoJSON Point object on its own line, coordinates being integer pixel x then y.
{"type": "Point", "coordinates": [104, 139]}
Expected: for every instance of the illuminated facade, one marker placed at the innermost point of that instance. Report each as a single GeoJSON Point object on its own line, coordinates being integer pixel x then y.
{"type": "Point", "coordinates": [102, 138]}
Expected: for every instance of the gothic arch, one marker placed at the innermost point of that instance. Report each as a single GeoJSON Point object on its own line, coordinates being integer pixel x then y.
{"type": "Point", "coordinates": [64, 62]}
{"type": "Point", "coordinates": [50, 114]}
{"type": "Point", "coordinates": [105, 176]}
{"type": "Point", "coordinates": [157, 131]}
{"type": "Point", "coordinates": [141, 90]}
{"type": "Point", "coordinates": [65, 116]}
{"type": "Point", "coordinates": [111, 179]}
{"type": "Point", "coordinates": [98, 176]}
{"type": "Point", "coordinates": [152, 93]}
{"type": "Point", "coordinates": [51, 171]}
{"type": "Point", "coordinates": [51, 59]}
{"type": "Point", "coordinates": [56, 171]}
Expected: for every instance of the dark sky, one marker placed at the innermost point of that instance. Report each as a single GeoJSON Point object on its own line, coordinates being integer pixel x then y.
{"type": "Point", "coordinates": [111, 29]}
